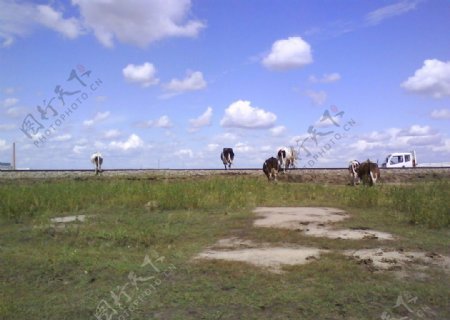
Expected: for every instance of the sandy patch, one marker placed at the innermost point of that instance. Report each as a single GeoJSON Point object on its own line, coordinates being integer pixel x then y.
{"type": "Point", "coordinates": [68, 219]}
{"type": "Point", "coordinates": [388, 259]}
{"type": "Point", "coordinates": [260, 255]}
{"type": "Point", "coordinates": [314, 222]}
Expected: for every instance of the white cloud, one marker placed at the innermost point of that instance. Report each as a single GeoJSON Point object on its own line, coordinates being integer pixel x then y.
{"type": "Point", "coordinates": [416, 130]}
{"type": "Point", "coordinates": [377, 16]}
{"type": "Point", "coordinates": [162, 122]}
{"type": "Point", "coordinates": [278, 131]}
{"type": "Point", "coordinates": [241, 114]}
{"type": "Point", "coordinates": [138, 22]}
{"type": "Point", "coordinates": [52, 19]}
{"type": "Point", "coordinates": [288, 54]}
{"type": "Point", "coordinates": [193, 81]}
{"type": "Point", "coordinates": [63, 137]}
{"type": "Point", "coordinates": [440, 114]}
{"type": "Point", "coordinates": [142, 74]}
{"type": "Point", "coordinates": [432, 79]}
{"type": "Point", "coordinates": [326, 78]}
{"type": "Point", "coordinates": [184, 153]}
{"type": "Point", "coordinates": [133, 142]}
{"type": "Point", "coordinates": [3, 145]}
{"type": "Point", "coordinates": [79, 149]}
{"type": "Point", "coordinates": [5, 127]}
{"type": "Point", "coordinates": [16, 20]}
{"type": "Point", "coordinates": [443, 147]}
{"type": "Point", "coordinates": [318, 98]}
{"type": "Point", "coordinates": [212, 147]}
{"type": "Point", "coordinates": [9, 102]}
{"type": "Point", "coordinates": [15, 112]}
{"type": "Point", "coordinates": [242, 147]}
{"type": "Point", "coordinates": [202, 121]}
{"type": "Point", "coordinates": [111, 134]}
{"type": "Point", "coordinates": [19, 19]}
{"type": "Point", "coordinates": [100, 116]}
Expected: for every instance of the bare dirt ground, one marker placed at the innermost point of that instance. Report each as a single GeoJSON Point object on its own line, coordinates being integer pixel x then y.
{"type": "Point", "coordinates": [317, 222]}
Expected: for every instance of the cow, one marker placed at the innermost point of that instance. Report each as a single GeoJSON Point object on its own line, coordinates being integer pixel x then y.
{"type": "Point", "coordinates": [271, 168]}
{"type": "Point", "coordinates": [286, 158]}
{"type": "Point", "coordinates": [227, 157]}
{"type": "Point", "coordinates": [97, 160]}
{"type": "Point", "coordinates": [353, 167]}
{"type": "Point", "coordinates": [368, 172]}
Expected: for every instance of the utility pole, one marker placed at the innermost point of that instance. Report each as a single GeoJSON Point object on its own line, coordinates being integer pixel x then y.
{"type": "Point", "coordinates": [14, 156]}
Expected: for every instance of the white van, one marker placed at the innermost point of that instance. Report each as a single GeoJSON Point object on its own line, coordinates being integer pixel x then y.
{"type": "Point", "coordinates": [401, 160]}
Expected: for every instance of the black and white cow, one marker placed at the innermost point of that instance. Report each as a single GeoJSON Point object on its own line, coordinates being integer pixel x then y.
{"type": "Point", "coordinates": [271, 167]}
{"type": "Point", "coordinates": [369, 172]}
{"type": "Point", "coordinates": [97, 160]}
{"type": "Point", "coordinates": [353, 167]}
{"type": "Point", "coordinates": [227, 157]}
{"type": "Point", "coordinates": [286, 158]}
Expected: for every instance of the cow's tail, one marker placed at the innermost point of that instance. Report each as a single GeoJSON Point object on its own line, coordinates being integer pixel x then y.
{"type": "Point", "coordinates": [373, 175]}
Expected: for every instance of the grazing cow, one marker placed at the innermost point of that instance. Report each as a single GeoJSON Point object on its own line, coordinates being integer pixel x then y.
{"type": "Point", "coordinates": [271, 168]}
{"type": "Point", "coordinates": [227, 157]}
{"type": "Point", "coordinates": [97, 160]}
{"type": "Point", "coordinates": [368, 172]}
{"type": "Point", "coordinates": [353, 167]}
{"type": "Point", "coordinates": [286, 158]}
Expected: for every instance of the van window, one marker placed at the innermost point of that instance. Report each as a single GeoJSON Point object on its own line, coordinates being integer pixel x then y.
{"type": "Point", "coordinates": [407, 157]}
{"type": "Point", "coordinates": [397, 159]}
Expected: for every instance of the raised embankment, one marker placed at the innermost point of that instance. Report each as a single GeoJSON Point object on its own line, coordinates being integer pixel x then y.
{"type": "Point", "coordinates": [332, 176]}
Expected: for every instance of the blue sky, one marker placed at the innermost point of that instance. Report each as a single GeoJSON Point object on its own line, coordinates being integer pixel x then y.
{"type": "Point", "coordinates": [173, 82]}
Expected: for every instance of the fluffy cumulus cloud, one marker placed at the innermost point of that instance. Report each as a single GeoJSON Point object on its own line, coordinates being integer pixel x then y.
{"type": "Point", "coordinates": [440, 114]}
{"type": "Point", "coordinates": [18, 19]}
{"type": "Point", "coordinates": [138, 22]}
{"type": "Point", "coordinates": [396, 139]}
{"type": "Point", "coordinates": [202, 121]}
{"type": "Point", "coordinates": [241, 114]}
{"type": "Point", "coordinates": [144, 75]}
{"type": "Point", "coordinates": [287, 54]}
{"type": "Point", "coordinates": [52, 19]}
{"type": "Point", "coordinates": [432, 79]}
{"type": "Point", "coordinates": [133, 142]}
{"type": "Point", "coordinates": [326, 78]}
{"type": "Point", "coordinates": [99, 116]}
{"type": "Point", "coordinates": [193, 81]}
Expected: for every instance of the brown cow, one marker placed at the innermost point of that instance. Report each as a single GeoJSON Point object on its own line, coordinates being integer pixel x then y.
{"type": "Point", "coordinates": [368, 172]}
{"type": "Point", "coordinates": [271, 168]}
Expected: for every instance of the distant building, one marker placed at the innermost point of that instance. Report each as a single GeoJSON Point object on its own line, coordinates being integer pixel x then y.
{"type": "Point", "coordinates": [5, 166]}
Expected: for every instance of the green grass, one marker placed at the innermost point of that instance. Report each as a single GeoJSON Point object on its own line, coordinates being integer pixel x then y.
{"type": "Point", "coordinates": [54, 273]}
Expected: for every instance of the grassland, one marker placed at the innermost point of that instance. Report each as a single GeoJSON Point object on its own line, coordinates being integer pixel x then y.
{"type": "Point", "coordinates": [70, 271]}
